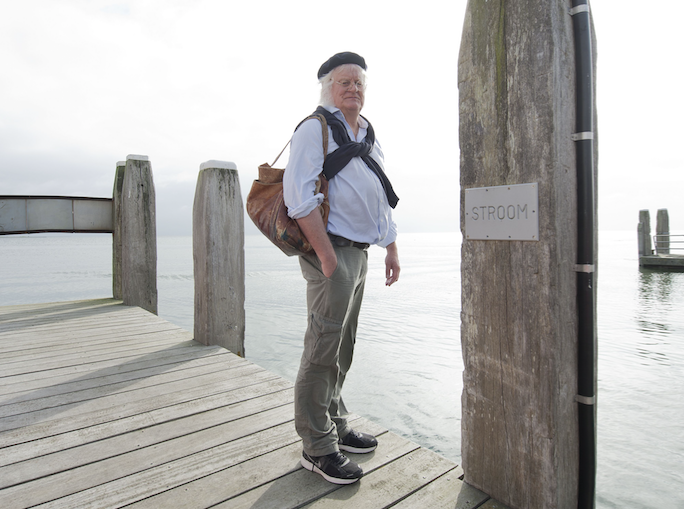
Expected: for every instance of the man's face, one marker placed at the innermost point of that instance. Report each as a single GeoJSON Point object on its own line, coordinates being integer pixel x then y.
{"type": "Point", "coordinates": [346, 95]}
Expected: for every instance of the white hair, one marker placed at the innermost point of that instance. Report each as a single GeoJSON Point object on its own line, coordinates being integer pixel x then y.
{"type": "Point", "coordinates": [327, 81]}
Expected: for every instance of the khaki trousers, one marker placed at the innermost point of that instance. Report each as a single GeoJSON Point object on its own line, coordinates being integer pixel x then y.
{"type": "Point", "coordinates": [333, 306]}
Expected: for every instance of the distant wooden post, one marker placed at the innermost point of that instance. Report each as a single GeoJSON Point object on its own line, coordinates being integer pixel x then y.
{"type": "Point", "coordinates": [117, 292]}
{"type": "Point", "coordinates": [644, 232]}
{"type": "Point", "coordinates": [138, 235]}
{"type": "Point", "coordinates": [519, 314]}
{"type": "Point", "coordinates": [218, 254]}
{"type": "Point", "coordinates": [662, 232]}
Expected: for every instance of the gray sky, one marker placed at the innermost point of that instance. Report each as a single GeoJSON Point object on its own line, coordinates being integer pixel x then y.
{"type": "Point", "coordinates": [87, 82]}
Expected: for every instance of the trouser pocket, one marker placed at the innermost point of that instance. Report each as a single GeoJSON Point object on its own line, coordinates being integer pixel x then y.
{"type": "Point", "coordinates": [322, 341]}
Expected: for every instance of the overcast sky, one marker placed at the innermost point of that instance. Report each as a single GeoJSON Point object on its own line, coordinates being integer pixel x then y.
{"type": "Point", "coordinates": [84, 83]}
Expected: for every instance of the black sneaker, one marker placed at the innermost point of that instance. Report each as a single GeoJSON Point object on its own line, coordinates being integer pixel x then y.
{"type": "Point", "coordinates": [335, 468]}
{"type": "Point", "coordinates": [358, 442]}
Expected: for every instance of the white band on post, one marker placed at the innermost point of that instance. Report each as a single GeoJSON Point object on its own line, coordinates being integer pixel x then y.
{"type": "Point", "coordinates": [587, 135]}
{"type": "Point", "coordinates": [578, 9]}
{"type": "Point", "coordinates": [585, 400]}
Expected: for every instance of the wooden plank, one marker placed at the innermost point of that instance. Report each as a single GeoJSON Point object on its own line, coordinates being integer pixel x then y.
{"type": "Point", "coordinates": [59, 461]}
{"type": "Point", "coordinates": [14, 416]}
{"type": "Point", "coordinates": [70, 337]}
{"type": "Point", "coordinates": [82, 349]}
{"type": "Point", "coordinates": [152, 481]}
{"type": "Point", "coordinates": [386, 485]}
{"type": "Point", "coordinates": [42, 317]}
{"type": "Point", "coordinates": [37, 401]}
{"type": "Point", "coordinates": [143, 459]}
{"type": "Point", "coordinates": [77, 336]}
{"type": "Point", "coordinates": [116, 314]}
{"type": "Point", "coordinates": [118, 407]}
{"type": "Point", "coordinates": [84, 353]}
{"type": "Point", "coordinates": [291, 485]}
{"type": "Point", "coordinates": [22, 451]}
{"type": "Point", "coordinates": [47, 316]}
{"type": "Point", "coordinates": [20, 368]}
{"type": "Point", "coordinates": [225, 484]}
{"type": "Point", "coordinates": [446, 492]}
{"type": "Point", "coordinates": [70, 385]}
{"type": "Point", "coordinates": [18, 311]}
{"type": "Point", "coordinates": [290, 490]}
{"type": "Point", "coordinates": [109, 365]}
{"type": "Point", "coordinates": [44, 423]}
{"type": "Point", "coordinates": [90, 324]}
{"type": "Point", "coordinates": [34, 315]}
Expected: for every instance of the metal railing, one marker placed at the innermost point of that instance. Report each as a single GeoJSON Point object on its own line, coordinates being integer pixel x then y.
{"type": "Point", "coordinates": [663, 243]}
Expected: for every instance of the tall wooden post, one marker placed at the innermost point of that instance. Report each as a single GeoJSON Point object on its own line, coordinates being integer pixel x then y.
{"type": "Point", "coordinates": [117, 195]}
{"type": "Point", "coordinates": [519, 328]}
{"type": "Point", "coordinates": [644, 232]}
{"type": "Point", "coordinates": [662, 232]}
{"type": "Point", "coordinates": [138, 235]}
{"type": "Point", "coordinates": [219, 261]}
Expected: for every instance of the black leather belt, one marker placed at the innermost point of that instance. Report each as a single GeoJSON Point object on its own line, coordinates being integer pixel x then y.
{"type": "Point", "coordinates": [342, 242]}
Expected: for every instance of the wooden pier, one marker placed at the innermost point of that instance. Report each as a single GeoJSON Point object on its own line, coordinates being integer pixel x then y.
{"type": "Point", "coordinates": [664, 242]}
{"type": "Point", "coordinates": [106, 405]}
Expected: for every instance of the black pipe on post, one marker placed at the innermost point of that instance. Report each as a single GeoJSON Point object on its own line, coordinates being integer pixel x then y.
{"type": "Point", "coordinates": [586, 291]}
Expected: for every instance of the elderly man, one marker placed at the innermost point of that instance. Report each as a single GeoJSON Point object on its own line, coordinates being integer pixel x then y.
{"type": "Point", "coordinates": [361, 201]}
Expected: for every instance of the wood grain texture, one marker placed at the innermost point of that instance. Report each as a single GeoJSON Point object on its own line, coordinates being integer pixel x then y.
{"type": "Point", "coordinates": [519, 318]}
{"type": "Point", "coordinates": [89, 417]}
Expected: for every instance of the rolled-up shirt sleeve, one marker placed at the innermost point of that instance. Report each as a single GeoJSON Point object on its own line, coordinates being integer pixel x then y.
{"type": "Point", "coordinates": [391, 234]}
{"type": "Point", "coordinates": [303, 169]}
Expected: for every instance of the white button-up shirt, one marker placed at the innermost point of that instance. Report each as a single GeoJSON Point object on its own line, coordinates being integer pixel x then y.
{"type": "Point", "coordinates": [359, 210]}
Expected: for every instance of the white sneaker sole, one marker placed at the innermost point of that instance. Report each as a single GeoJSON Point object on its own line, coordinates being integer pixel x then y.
{"type": "Point", "coordinates": [335, 480]}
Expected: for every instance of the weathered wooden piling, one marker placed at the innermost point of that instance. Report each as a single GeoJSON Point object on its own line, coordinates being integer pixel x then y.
{"type": "Point", "coordinates": [218, 256]}
{"type": "Point", "coordinates": [117, 194]}
{"type": "Point", "coordinates": [644, 233]}
{"type": "Point", "coordinates": [662, 243]}
{"type": "Point", "coordinates": [138, 235]}
{"type": "Point", "coordinates": [519, 329]}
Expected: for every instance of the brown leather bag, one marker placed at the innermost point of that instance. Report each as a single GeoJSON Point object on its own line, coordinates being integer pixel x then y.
{"type": "Point", "coordinates": [267, 209]}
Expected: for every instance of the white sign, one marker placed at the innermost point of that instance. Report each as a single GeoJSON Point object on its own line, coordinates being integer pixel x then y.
{"type": "Point", "coordinates": [502, 212]}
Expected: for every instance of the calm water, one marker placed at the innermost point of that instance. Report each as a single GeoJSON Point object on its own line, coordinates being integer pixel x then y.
{"type": "Point", "coordinates": [407, 368]}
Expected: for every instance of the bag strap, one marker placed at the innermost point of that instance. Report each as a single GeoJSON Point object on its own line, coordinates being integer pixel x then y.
{"type": "Point", "coordinates": [324, 129]}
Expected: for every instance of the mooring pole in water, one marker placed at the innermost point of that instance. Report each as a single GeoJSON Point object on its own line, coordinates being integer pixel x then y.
{"type": "Point", "coordinates": [662, 239]}
{"type": "Point", "coordinates": [644, 234]}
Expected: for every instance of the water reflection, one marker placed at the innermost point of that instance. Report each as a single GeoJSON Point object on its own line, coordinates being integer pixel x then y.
{"type": "Point", "coordinates": [657, 296]}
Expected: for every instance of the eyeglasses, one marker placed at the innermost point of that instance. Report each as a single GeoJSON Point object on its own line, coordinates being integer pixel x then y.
{"type": "Point", "coordinates": [348, 85]}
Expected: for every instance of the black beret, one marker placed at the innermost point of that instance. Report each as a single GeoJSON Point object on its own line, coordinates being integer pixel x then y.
{"type": "Point", "coordinates": [346, 57]}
